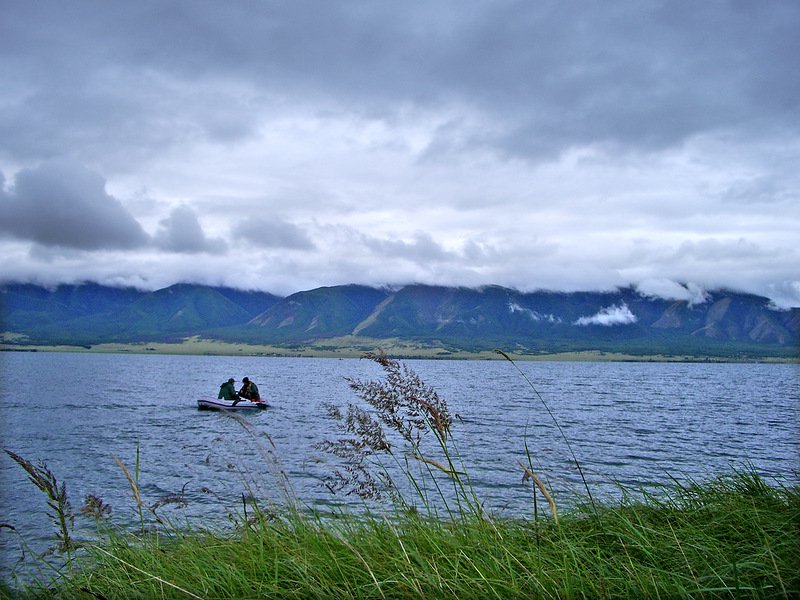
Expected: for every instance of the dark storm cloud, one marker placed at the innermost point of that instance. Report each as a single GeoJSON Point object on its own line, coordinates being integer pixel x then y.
{"type": "Point", "coordinates": [181, 232]}
{"type": "Point", "coordinates": [759, 191]}
{"type": "Point", "coordinates": [64, 204]}
{"type": "Point", "coordinates": [639, 75]}
{"type": "Point", "coordinates": [546, 76]}
{"type": "Point", "coordinates": [549, 144]}
{"type": "Point", "coordinates": [272, 233]}
{"type": "Point", "coordinates": [421, 249]}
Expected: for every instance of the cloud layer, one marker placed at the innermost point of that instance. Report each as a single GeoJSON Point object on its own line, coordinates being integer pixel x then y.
{"type": "Point", "coordinates": [285, 146]}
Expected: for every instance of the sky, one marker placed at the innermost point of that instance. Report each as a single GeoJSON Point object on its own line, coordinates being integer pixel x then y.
{"type": "Point", "coordinates": [284, 146]}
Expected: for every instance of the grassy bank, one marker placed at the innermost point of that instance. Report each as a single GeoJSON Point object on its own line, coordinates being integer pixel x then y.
{"type": "Point", "coordinates": [732, 537]}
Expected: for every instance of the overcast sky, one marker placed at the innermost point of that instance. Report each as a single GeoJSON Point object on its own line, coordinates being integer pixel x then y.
{"type": "Point", "coordinates": [283, 146]}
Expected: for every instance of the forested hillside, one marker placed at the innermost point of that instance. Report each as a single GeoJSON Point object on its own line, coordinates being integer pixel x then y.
{"type": "Point", "coordinates": [725, 323]}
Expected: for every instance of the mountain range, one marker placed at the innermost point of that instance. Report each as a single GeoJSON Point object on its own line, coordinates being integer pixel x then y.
{"type": "Point", "coordinates": [469, 319]}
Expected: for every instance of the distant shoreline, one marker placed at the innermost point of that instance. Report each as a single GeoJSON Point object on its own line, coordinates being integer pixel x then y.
{"type": "Point", "coordinates": [199, 347]}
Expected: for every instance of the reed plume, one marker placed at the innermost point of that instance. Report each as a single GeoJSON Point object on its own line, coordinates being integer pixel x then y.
{"type": "Point", "coordinates": [131, 482]}
{"type": "Point", "coordinates": [557, 424]}
{"type": "Point", "coordinates": [528, 473]}
{"type": "Point", "coordinates": [42, 477]}
{"type": "Point", "coordinates": [134, 486]}
{"type": "Point", "coordinates": [438, 465]}
{"type": "Point", "coordinates": [401, 403]}
{"type": "Point", "coordinates": [95, 507]}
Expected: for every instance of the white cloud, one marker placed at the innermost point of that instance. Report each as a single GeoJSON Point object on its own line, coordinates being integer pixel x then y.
{"type": "Point", "coordinates": [513, 307]}
{"type": "Point", "coordinates": [609, 316]}
{"type": "Point", "coordinates": [670, 290]}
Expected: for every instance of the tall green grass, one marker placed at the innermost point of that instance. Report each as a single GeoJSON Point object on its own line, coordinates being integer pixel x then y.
{"type": "Point", "coordinates": [735, 536]}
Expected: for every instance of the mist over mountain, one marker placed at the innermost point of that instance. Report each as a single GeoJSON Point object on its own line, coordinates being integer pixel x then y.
{"type": "Point", "coordinates": [715, 323]}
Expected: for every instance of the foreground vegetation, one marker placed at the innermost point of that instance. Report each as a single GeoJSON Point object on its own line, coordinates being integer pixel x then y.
{"type": "Point", "coordinates": [732, 537]}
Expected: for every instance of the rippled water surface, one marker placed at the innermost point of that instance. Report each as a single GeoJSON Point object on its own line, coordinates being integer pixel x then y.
{"type": "Point", "coordinates": [638, 424]}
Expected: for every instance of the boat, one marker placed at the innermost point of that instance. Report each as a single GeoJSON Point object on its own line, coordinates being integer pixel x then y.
{"type": "Point", "coordinates": [243, 405]}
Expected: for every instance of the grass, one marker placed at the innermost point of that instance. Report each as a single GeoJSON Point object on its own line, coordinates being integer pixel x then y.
{"type": "Point", "coordinates": [735, 536]}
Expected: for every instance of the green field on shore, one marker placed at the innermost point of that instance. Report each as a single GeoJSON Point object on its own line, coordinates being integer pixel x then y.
{"type": "Point", "coordinates": [354, 347]}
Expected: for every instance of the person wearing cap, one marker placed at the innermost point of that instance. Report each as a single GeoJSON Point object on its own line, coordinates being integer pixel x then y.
{"type": "Point", "coordinates": [227, 391]}
{"type": "Point", "coordinates": [249, 390]}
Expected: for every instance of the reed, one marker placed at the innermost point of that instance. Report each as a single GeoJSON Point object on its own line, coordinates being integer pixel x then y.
{"type": "Point", "coordinates": [42, 477]}
{"type": "Point", "coordinates": [528, 474]}
{"type": "Point", "coordinates": [402, 421]}
{"type": "Point", "coordinates": [555, 421]}
{"type": "Point", "coordinates": [134, 484]}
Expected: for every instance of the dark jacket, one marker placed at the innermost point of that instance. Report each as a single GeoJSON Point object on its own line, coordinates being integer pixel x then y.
{"type": "Point", "coordinates": [227, 391]}
{"type": "Point", "coordinates": [250, 391]}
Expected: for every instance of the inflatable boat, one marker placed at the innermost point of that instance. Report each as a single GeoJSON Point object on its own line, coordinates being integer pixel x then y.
{"type": "Point", "coordinates": [243, 405]}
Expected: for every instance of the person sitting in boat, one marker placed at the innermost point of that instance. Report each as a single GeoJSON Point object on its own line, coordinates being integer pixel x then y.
{"type": "Point", "coordinates": [249, 390]}
{"type": "Point", "coordinates": [227, 391]}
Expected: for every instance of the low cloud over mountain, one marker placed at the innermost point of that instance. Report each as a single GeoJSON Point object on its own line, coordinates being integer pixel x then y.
{"type": "Point", "coordinates": [610, 315]}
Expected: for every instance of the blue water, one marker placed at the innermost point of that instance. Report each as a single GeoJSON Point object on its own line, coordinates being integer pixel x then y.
{"type": "Point", "coordinates": [636, 424]}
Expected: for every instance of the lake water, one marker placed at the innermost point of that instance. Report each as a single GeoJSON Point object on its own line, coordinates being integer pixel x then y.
{"type": "Point", "coordinates": [636, 424]}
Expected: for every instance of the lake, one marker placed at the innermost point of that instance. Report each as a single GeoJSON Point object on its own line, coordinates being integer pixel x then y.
{"type": "Point", "coordinates": [641, 425]}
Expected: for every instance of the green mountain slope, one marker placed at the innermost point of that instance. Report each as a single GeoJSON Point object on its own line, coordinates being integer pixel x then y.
{"type": "Point", "coordinates": [725, 324]}
{"type": "Point", "coordinates": [320, 313]}
{"type": "Point", "coordinates": [106, 314]}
